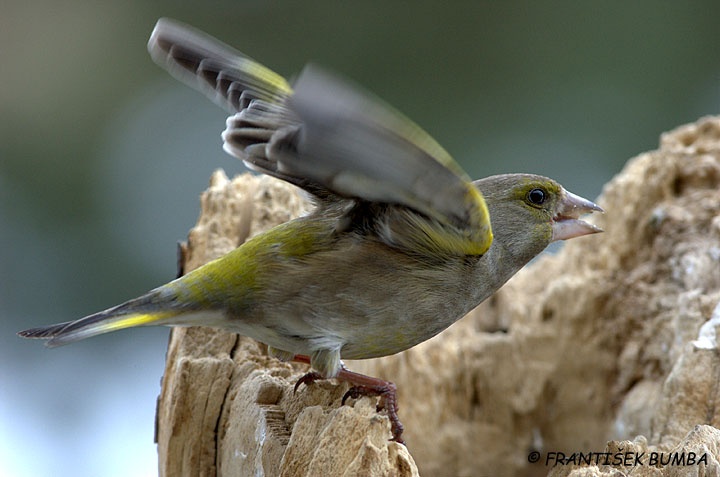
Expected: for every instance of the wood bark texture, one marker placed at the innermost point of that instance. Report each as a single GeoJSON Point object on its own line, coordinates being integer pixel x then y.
{"type": "Point", "coordinates": [609, 344]}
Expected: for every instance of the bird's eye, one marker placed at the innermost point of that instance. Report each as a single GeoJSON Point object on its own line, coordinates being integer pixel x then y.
{"type": "Point", "coordinates": [537, 196]}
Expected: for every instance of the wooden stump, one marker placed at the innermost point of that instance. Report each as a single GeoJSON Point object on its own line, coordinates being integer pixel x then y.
{"type": "Point", "coordinates": [611, 338]}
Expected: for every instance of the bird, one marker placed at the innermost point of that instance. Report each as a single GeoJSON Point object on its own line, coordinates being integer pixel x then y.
{"type": "Point", "coordinates": [401, 242]}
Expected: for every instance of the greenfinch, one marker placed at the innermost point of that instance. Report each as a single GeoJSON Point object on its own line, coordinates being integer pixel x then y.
{"type": "Point", "coordinates": [398, 247]}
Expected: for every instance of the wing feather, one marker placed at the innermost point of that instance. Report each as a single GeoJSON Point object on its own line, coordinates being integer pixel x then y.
{"type": "Point", "coordinates": [329, 137]}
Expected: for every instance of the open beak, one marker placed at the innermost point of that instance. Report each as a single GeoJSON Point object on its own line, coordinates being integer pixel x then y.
{"type": "Point", "coordinates": [567, 223]}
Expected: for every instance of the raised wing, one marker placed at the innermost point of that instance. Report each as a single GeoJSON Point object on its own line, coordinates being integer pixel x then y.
{"type": "Point", "coordinates": [358, 146]}
{"type": "Point", "coordinates": [328, 136]}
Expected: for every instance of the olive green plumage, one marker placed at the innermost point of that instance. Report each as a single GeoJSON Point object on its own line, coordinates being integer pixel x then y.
{"type": "Point", "coordinates": [400, 244]}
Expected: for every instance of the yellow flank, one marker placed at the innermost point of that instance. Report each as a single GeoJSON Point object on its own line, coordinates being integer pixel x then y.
{"type": "Point", "coordinates": [233, 279]}
{"type": "Point", "coordinates": [135, 320]}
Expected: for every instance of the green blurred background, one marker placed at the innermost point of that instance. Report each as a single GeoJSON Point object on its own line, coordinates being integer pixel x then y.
{"type": "Point", "coordinates": [103, 157]}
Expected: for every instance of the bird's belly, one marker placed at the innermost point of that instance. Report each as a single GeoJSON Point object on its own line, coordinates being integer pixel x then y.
{"type": "Point", "coordinates": [361, 325]}
{"type": "Point", "coordinates": [366, 304]}
{"type": "Point", "coordinates": [397, 333]}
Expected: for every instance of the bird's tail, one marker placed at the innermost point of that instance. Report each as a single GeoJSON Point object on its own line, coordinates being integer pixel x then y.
{"type": "Point", "coordinates": [126, 315]}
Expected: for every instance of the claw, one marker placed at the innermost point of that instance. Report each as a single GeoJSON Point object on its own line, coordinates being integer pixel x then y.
{"type": "Point", "coordinates": [356, 392]}
{"type": "Point", "coordinates": [307, 380]}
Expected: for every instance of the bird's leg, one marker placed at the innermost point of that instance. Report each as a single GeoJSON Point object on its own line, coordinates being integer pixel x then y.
{"type": "Point", "coordinates": [363, 385]}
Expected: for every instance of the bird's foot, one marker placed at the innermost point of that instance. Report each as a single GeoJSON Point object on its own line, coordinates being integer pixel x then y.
{"type": "Point", "coordinates": [363, 386]}
{"type": "Point", "coordinates": [388, 402]}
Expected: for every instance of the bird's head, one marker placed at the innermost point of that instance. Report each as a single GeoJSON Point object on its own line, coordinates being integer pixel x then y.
{"type": "Point", "coordinates": [528, 212]}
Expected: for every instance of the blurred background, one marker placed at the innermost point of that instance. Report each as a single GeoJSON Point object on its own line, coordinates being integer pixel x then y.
{"type": "Point", "coordinates": [103, 156]}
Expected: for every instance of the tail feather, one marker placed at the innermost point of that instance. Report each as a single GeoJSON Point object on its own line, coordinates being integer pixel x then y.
{"type": "Point", "coordinates": [112, 319]}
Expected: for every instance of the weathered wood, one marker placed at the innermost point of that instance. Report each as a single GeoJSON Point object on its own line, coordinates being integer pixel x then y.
{"type": "Point", "coordinates": [601, 341]}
